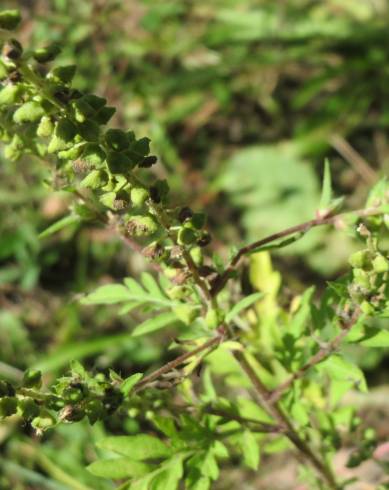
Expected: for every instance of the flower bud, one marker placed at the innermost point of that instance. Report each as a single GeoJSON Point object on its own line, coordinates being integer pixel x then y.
{"type": "Point", "coordinates": [116, 139]}
{"type": "Point", "coordinates": [8, 406]}
{"type": "Point", "coordinates": [105, 114]}
{"type": "Point", "coordinates": [47, 53]}
{"type": "Point", "coordinates": [155, 251]}
{"type": "Point", "coordinates": [6, 389]}
{"type": "Point", "coordinates": [139, 196]}
{"type": "Point", "coordinates": [93, 154]}
{"type": "Point", "coordinates": [359, 259]}
{"type": "Point", "coordinates": [367, 308]}
{"type": "Point", "coordinates": [45, 127]}
{"type": "Point", "coordinates": [74, 393]}
{"type": "Point", "coordinates": [55, 403]}
{"type": "Point", "coordinates": [139, 226]}
{"type": "Point", "coordinates": [94, 410]}
{"type": "Point", "coordinates": [71, 154]}
{"type": "Point", "coordinates": [119, 163]}
{"type": "Point", "coordinates": [65, 130]}
{"type": "Point", "coordinates": [89, 130]}
{"type": "Point", "coordinates": [95, 179]}
{"type": "Point", "coordinates": [198, 220]}
{"type": "Point", "coordinates": [28, 112]}
{"type": "Point", "coordinates": [28, 408]}
{"type": "Point", "coordinates": [10, 19]}
{"type": "Point", "coordinates": [361, 278]}
{"type": "Point", "coordinates": [44, 421]}
{"type": "Point", "coordinates": [178, 292]}
{"type": "Point", "coordinates": [32, 378]}
{"type": "Point", "coordinates": [380, 264]}
{"type": "Point", "coordinates": [63, 74]}
{"type": "Point", "coordinates": [10, 94]}
{"type": "Point", "coordinates": [121, 201]}
{"type": "Point", "coordinates": [186, 236]}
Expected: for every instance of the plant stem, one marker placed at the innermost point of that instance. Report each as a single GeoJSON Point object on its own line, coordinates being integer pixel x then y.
{"type": "Point", "coordinates": [279, 416]}
{"type": "Point", "coordinates": [213, 342]}
{"type": "Point", "coordinates": [301, 228]}
{"type": "Point", "coordinates": [322, 354]}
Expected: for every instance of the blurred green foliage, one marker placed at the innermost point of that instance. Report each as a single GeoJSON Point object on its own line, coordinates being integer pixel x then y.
{"type": "Point", "coordinates": [242, 100]}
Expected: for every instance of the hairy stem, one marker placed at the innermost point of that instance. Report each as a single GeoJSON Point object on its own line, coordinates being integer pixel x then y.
{"type": "Point", "coordinates": [213, 342]}
{"type": "Point", "coordinates": [301, 228]}
{"type": "Point", "coordinates": [280, 417]}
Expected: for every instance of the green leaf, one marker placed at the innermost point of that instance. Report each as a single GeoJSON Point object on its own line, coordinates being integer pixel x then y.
{"type": "Point", "coordinates": [250, 450]}
{"type": "Point", "coordinates": [58, 225]}
{"type": "Point", "coordinates": [339, 368]}
{"type": "Point", "coordinates": [118, 468]}
{"type": "Point", "coordinates": [375, 337]}
{"type": "Point", "coordinates": [242, 305]}
{"type": "Point", "coordinates": [154, 324]}
{"type": "Point", "coordinates": [138, 447]}
{"type": "Point", "coordinates": [130, 382]}
{"type": "Point", "coordinates": [326, 191]}
{"type": "Point", "coordinates": [107, 295]}
{"type": "Point", "coordinates": [133, 294]}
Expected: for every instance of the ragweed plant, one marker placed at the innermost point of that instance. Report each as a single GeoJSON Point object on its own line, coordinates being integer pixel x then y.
{"type": "Point", "coordinates": [281, 370]}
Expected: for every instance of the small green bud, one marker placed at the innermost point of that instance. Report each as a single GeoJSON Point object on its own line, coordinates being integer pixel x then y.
{"type": "Point", "coordinates": [45, 127]}
{"type": "Point", "coordinates": [93, 154]}
{"type": "Point", "coordinates": [28, 408]}
{"type": "Point", "coordinates": [10, 94]}
{"type": "Point", "coordinates": [65, 130]}
{"type": "Point", "coordinates": [108, 199]}
{"type": "Point", "coordinates": [94, 101]}
{"type": "Point", "coordinates": [178, 292]}
{"type": "Point", "coordinates": [44, 421]}
{"type": "Point", "coordinates": [95, 179]}
{"type": "Point", "coordinates": [198, 220]}
{"type": "Point", "coordinates": [28, 112]}
{"type": "Point", "coordinates": [32, 378]}
{"type": "Point", "coordinates": [119, 163]}
{"type": "Point", "coordinates": [141, 147]}
{"type": "Point", "coordinates": [139, 226]}
{"type": "Point", "coordinates": [367, 308]}
{"type": "Point", "coordinates": [139, 195]}
{"type": "Point", "coordinates": [380, 264]}
{"type": "Point", "coordinates": [186, 236]}
{"type": "Point", "coordinates": [361, 278]}
{"type": "Point", "coordinates": [105, 114]}
{"type": "Point", "coordinates": [94, 410]}
{"type": "Point", "coordinates": [8, 406]}
{"type": "Point", "coordinates": [89, 130]}
{"type": "Point", "coordinates": [116, 139]}
{"type": "Point", "coordinates": [55, 403]}
{"type": "Point", "coordinates": [359, 259]}
{"type": "Point", "coordinates": [74, 393]}
{"type": "Point", "coordinates": [47, 53]}
{"type": "Point", "coordinates": [10, 19]}
{"type": "Point", "coordinates": [6, 389]}
{"type": "Point", "coordinates": [155, 251]}
{"type": "Point", "coordinates": [82, 110]}
{"type": "Point", "coordinates": [71, 154]}
{"type": "Point", "coordinates": [64, 74]}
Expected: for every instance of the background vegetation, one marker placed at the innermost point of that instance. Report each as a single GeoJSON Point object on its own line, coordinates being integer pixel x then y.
{"type": "Point", "coordinates": [243, 100]}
